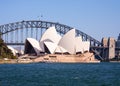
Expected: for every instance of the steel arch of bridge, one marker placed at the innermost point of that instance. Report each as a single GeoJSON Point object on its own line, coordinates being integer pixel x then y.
{"type": "Point", "coordinates": [61, 28]}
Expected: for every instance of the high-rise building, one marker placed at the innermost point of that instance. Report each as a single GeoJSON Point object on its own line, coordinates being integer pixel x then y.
{"type": "Point", "coordinates": [118, 41]}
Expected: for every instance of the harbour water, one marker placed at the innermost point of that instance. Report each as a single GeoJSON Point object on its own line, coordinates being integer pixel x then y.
{"type": "Point", "coordinates": [60, 74]}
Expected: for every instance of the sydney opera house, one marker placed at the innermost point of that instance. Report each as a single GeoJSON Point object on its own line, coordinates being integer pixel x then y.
{"type": "Point", "coordinates": [52, 43]}
{"type": "Point", "coordinates": [55, 48]}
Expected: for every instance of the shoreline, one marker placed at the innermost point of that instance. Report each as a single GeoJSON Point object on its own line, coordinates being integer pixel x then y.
{"type": "Point", "coordinates": [55, 58]}
{"type": "Point", "coordinates": [15, 61]}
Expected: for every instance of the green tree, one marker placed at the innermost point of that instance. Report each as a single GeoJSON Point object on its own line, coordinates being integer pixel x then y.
{"type": "Point", "coordinates": [5, 52]}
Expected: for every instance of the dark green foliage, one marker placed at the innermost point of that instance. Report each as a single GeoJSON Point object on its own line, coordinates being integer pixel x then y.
{"type": "Point", "coordinates": [4, 51]}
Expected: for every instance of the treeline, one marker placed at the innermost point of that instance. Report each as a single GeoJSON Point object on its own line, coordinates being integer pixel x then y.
{"type": "Point", "coordinates": [5, 52]}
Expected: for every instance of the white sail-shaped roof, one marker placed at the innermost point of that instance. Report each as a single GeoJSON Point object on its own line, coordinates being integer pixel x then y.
{"type": "Point", "coordinates": [54, 48]}
{"type": "Point", "coordinates": [50, 35]}
{"type": "Point", "coordinates": [86, 46]}
{"type": "Point", "coordinates": [60, 49]}
{"type": "Point", "coordinates": [14, 51]}
{"type": "Point", "coordinates": [51, 46]}
{"type": "Point", "coordinates": [20, 51]}
{"type": "Point", "coordinates": [68, 41]}
{"type": "Point", "coordinates": [34, 43]}
{"type": "Point", "coordinates": [79, 44]}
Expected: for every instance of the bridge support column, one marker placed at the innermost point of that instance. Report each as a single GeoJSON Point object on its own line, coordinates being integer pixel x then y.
{"type": "Point", "coordinates": [108, 48]}
{"type": "Point", "coordinates": [105, 48]}
{"type": "Point", "coordinates": [111, 51]}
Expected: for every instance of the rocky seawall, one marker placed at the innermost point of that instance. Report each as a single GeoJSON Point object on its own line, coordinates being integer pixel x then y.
{"type": "Point", "coordinates": [55, 58]}
{"type": "Point", "coordinates": [80, 58]}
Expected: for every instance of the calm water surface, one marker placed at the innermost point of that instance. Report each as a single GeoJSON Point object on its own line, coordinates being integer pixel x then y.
{"type": "Point", "coordinates": [60, 74]}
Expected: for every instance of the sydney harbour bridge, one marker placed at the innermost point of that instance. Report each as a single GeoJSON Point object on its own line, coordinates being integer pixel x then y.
{"type": "Point", "coordinates": [16, 33]}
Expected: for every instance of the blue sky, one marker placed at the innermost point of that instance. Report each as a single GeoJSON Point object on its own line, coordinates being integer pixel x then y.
{"type": "Point", "coordinates": [98, 18]}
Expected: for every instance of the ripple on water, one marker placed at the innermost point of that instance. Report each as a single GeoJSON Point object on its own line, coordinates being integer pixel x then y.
{"type": "Point", "coordinates": [60, 74]}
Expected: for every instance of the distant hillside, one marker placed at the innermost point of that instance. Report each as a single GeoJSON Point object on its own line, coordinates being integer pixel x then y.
{"type": "Point", "coordinates": [4, 51]}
